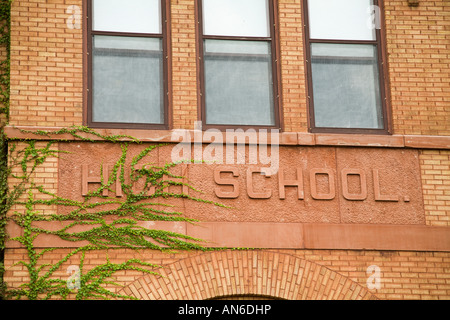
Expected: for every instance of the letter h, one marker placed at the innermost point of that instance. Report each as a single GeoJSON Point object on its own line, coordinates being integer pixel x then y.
{"type": "Point", "coordinates": [86, 180]}
{"type": "Point", "coordinates": [283, 183]}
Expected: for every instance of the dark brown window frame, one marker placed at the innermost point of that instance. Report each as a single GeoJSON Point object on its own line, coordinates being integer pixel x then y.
{"type": "Point", "coordinates": [88, 35]}
{"type": "Point", "coordinates": [276, 75]}
{"type": "Point", "coordinates": [382, 78]}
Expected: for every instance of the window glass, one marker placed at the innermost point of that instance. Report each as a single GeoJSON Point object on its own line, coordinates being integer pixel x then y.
{"type": "Point", "coordinates": [242, 47]}
{"type": "Point", "coordinates": [344, 61]}
{"type": "Point", "coordinates": [130, 43]}
{"type": "Point", "coordinates": [237, 63]}
{"type": "Point", "coordinates": [132, 16]}
{"type": "Point", "coordinates": [249, 18]}
{"type": "Point", "coordinates": [341, 19]}
{"type": "Point", "coordinates": [346, 86]}
{"type": "Point", "coordinates": [239, 85]}
{"type": "Point", "coordinates": [127, 80]}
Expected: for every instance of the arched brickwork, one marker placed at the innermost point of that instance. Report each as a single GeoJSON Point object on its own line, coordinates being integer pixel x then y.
{"type": "Point", "coordinates": [246, 273]}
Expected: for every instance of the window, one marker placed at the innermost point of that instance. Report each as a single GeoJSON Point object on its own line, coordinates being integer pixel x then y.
{"type": "Point", "coordinates": [346, 92]}
{"type": "Point", "coordinates": [127, 64]}
{"type": "Point", "coordinates": [238, 82]}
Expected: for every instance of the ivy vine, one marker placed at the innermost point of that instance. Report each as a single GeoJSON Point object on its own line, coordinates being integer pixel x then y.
{"type": "Point", "coordinates": [5, 8]}
{"type": "Point", "coordinates": [107, 223]}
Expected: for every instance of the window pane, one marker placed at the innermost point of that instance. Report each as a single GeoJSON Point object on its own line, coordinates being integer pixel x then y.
{"type": "Point", "coordinates": [248, 18]}
{"type": "Point", "coordinates": [130, 43]}
{"type": "Point", "coordinates": [238, 80]}
{"type": "Point", "coordinates": [341, 20]}
{"type": "Point", "coordinates": [346, 86]}
{"type": "Point", "coordinates": [139, 16]}
{"type": "Point", "coordinates": [127, 80]}
{"type": "Point", "coordinates": [237, 47]}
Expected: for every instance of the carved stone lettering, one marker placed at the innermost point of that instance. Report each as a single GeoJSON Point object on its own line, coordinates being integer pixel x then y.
{"type": "Point", "coordinates": [363, 184]}
{"type": "Point", "coordinates": [86, 179]}
{"type": "Point", "coordinates": [315, 193]}
{"type": "Point", "coordinates": [230, 182]}
{"type": "Point", "coordinates": [265, 194]}
{"type": "Point", "coordinates": [311, 185]}
{"type": "Point", "coordinates": [283, 183]}
{"type": "Point", "coordinates": [377, 189]}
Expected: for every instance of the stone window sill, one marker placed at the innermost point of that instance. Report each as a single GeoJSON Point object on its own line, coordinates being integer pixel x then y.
{"type": "Point", "coordinates": [284, 138]}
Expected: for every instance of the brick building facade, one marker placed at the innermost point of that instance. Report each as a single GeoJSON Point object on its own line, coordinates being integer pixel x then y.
{"type": "Point", "coordinates": [343, 200]}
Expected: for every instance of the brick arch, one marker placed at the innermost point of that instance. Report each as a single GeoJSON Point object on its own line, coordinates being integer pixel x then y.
{"type": "Point", "coordinates": [246, 273]}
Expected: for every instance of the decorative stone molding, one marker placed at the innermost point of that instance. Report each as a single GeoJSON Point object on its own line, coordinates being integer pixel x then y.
{"type": "Point", "coordinates": [285, 138]}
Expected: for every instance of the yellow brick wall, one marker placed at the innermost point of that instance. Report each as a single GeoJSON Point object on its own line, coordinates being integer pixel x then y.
{"type": "Point", "coordinates": [47, 65]}
{"type": "Point", "coordinates": [3, 114]}
{"type": "Point", "coordinates": [291, 39]}
{"type": "Point", "coordinates": [403, 275]}
{"type": "Point", "coordinates": [184, 64]}
{"type": "Point", "coordinates": [435, 173]}
{"type": "Point", "coordinates": [45, 175]}
{"type": "Point", "coordinates": [418, 41]}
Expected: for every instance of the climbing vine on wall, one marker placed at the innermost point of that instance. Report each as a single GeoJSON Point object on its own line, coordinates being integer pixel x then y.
{"type": "Point", "coordinates": [95, 223]}
{"type": "Point", "coordinates": [100, 222]}
{"type": "Point", "coordinates": [5, 6]}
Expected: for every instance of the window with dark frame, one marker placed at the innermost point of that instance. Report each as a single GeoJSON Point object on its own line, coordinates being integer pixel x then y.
{"type": "Point", "coordinates": [127, 64]}
{"type": "Point", "coordinates": [238, 73]}
{"type": "Point", "coordinates": [345, 74]}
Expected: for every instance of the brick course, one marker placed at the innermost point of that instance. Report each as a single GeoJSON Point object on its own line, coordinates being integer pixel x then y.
{"type": "Point", "coordinates": [47, 65]}
{"type": "Point", "coordinates": [435, 173]}
{"type": "Point", "coordinates": [275, 274]}
{"type": "Point", "coordinates": [292, 66]}
{"type": "Point", "coordinates": [418, 43]}
{"type": "Point", "coordinates": [45, 175]}
{"type": "Point", "coordinates": [184, 64]}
